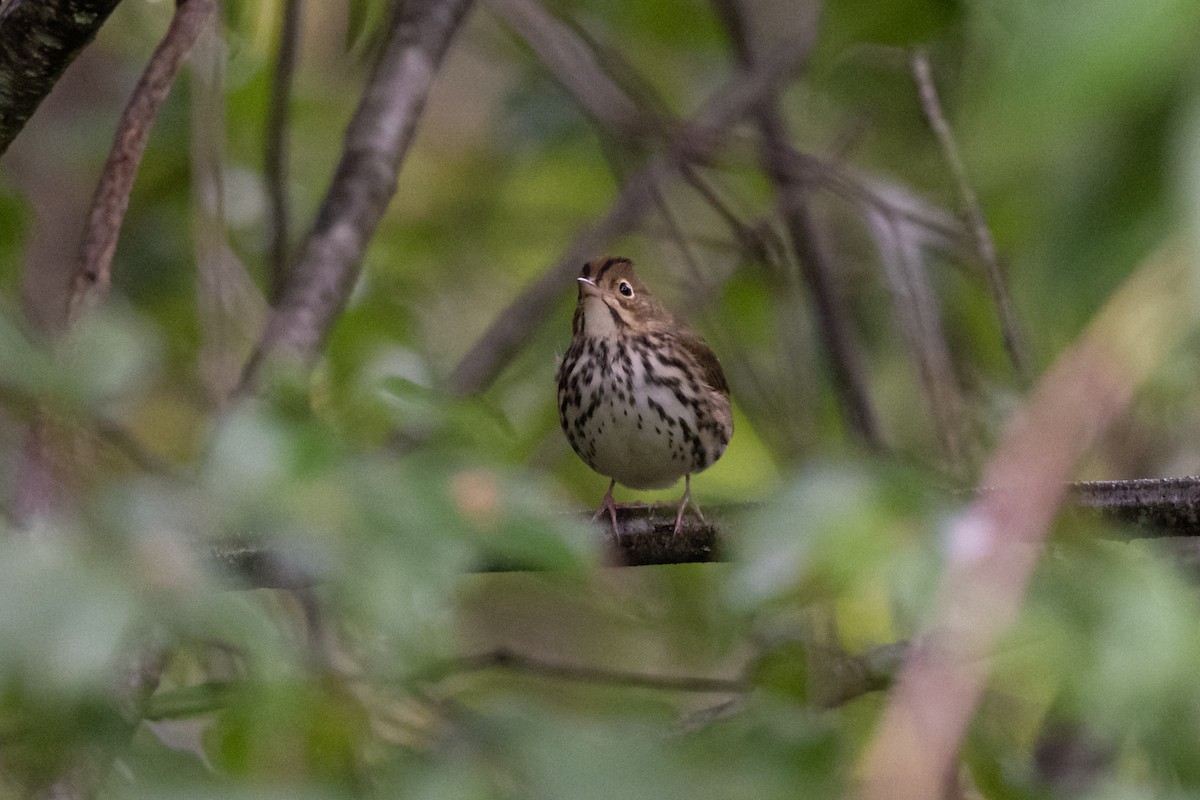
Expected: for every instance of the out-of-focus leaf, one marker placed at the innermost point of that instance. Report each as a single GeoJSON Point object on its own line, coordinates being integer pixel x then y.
{"type": "Point", "coordinates": [826, 531]}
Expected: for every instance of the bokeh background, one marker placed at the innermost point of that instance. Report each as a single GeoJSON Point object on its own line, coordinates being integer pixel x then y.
{"type": "Point", "coordinates": [1078, 128]}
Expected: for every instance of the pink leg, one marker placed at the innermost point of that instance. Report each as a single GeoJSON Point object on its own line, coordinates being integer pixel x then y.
{"type": "Point", "coordinates": [684, 502]}
{"type": "Point", "coordinates": [610, 505]}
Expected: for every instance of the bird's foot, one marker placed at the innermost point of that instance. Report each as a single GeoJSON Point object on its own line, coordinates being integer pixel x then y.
{"type": "Point", "coordinates": [684, 502]}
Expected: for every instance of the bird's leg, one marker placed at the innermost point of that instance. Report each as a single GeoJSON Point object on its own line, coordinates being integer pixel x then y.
{"type": "Point", "coordinates": [684, 502]}
{"type": "Point", "coordinates": [610, 505]}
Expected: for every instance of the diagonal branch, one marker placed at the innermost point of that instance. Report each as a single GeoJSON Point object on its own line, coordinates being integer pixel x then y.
{"type": "Point", "coordinates": [694, 141]}
{"type": "Point", "coordinates": [38, 40]}
{"type": "Point", "coordinates": [377, 141]}
{"type": "Point", "coordinates": [94, 271]}
{"type": "Point", "coordinates": [916, 308]}
{"type": "Point", "coordinates": [573, 63]}
{"type": "Point", "coordinates": [931, 104]}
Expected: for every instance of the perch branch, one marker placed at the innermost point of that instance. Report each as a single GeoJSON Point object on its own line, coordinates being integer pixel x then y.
{"type": "Point", "coordinates": [377, 140]}
{"type": "Point", "coordinates": [38, 40]}
{"type": "Point", "coordinates": [1150, 508]}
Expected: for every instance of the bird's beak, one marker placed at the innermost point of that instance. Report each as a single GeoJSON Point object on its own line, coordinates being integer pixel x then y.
{"type": "Point", "coordinates": [587, 286]}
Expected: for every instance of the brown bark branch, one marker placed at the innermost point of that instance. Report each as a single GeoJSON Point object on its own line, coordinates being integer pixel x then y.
{"type": "Point", "coordinates": [38, 40]}
{"type": "Point", "coordinates": [94, 271]}
{"type": "Point", "coordinates": [1148, 508]}
{"type": "Point", "coordinates": [377, 140]}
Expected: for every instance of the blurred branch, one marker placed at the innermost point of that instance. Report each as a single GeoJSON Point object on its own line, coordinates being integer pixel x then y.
{"type": "Point", "coordinates": [275, 150]}
{"type": "Point", "coordinates": [230, 305]}
{"type": "Point", "coordinates": [693, 141]}
{"type": "Point", "coordinates": [376, 143]}
{"type": "Point", "coordinates": [94, 271]}
{"type": "Point", "coordinates": [38, 40]}
{"type": "Point", "coordinates": [503, 658]}
{"type": "Point", "coordinates": [937, 226]}
{"type": "Point", "coordinates": [841, 348]}
{"type": "Point", "coordinates": [917, 309]}
{"type": "Point", "coordinates": [573, 63]}
{"type": "Point", "coordinates": [504, 337]}
{"type": "Point", "coordinates": [931, 104]}
{"type": "Point", "coordinates": [993, 547]}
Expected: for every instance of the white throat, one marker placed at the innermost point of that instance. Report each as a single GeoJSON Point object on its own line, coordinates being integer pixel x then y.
{"type": "Point", "coordinates": [597, 318]}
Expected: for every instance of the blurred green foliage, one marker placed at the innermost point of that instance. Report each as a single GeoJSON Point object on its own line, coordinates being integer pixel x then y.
{"type": "Point", "coordinates": [1078, 122]}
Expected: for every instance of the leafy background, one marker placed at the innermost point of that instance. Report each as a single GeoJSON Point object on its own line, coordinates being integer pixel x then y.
{"type": "Point", "coordinates": [1078, 123]}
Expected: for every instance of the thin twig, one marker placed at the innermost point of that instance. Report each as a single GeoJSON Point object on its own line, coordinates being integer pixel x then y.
{"type": "Point", "coordinates": [275, 150]}
{"type": "Point", "coordinates": [841, 347]}
{"type": "Point", "coordinates": [916, 308]}
{"type": "Point", "coordinates": [931, 104]}
{"type": "Point", "coordinates": [38, 40]}
{"type": "Point", "coordinates": [94, 270]}
{"type": "Point", "coordinates": [695, 141]}
{"type": "Point", "coordinates": [377, 140]}
{"type": "Point", "coordinates": [572, 63]}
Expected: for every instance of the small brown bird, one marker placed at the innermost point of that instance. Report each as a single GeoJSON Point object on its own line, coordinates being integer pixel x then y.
{"type": "Point", "coordinates": [641, 397]}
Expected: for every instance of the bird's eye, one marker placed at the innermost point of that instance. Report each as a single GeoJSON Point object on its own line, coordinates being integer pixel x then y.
{"type": "Point", "coordinates": [625, 289]}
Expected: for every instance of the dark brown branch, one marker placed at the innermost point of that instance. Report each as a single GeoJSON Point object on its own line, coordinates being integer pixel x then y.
{"type": "Point", "coordinates": [1145, 508]}
{"type": "Point", "coordinates": [38, 40]}
{"type": "Point", "coordinates": [931, 104]}
{"type": "Point", "coordinates": [377, 141]}
{"type": "Point", "coordinates": [275, 155]}
{"type": "Point", "coordinates": [694, 141]}
{"type": "Point", "coordinates": [1149, 508]}
{"type": "Point", "coordinates": [94, 271]}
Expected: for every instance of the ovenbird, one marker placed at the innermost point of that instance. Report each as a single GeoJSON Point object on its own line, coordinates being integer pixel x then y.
{"type": "Point", "coordinates": [641, 397]}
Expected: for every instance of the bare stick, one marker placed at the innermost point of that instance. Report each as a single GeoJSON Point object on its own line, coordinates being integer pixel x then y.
{"type": "Point", "coordinates": [275, 155]}
{"type": "Point", "coordinates": [931, 104]}
{"type": "Point", "coordinates": [94, 270]}
{"type": "Point", "coordinates": [994, 546]}
{"type": "Point", "coordinates": [377, 141]}
{"type": "Point", "coordinates": [695, 141]}
{"type": "Point", "coordinates": [37, 42]}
